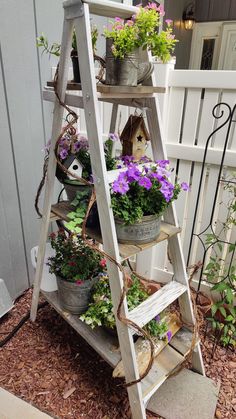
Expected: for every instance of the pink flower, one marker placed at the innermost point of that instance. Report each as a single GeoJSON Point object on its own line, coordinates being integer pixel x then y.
{"type": "Point", "coordinates": [103, 263]}
{"type": "Point", "coordinates": [119, 27]}
{"type": "Point", "coordinates": [152, 6]}
{"type": "Point", "coordinates": [79, 282]}
{"type": "Point", "coordinates": [161, 10]}
{"type": "Point", "coordinates": [169, 21]}
{"type": "Point", "coordinates": [118, 19]}
{"type": "Point", "coordinates": [129, 23]}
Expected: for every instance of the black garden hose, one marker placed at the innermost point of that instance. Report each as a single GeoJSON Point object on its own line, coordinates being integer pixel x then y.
{"type": "Point", "coordinates": [18, 326]}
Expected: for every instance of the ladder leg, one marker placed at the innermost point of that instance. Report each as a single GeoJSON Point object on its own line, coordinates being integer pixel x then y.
{"type": "Point", "coordinates": [94, 132]}
{"type": "Point", "coordinates": [174, 243]}
{"type": "Point", "coordinates": [56, 129]}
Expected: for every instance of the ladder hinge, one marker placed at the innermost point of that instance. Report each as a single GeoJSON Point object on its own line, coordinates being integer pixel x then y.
{"type": "Point", "coordinates": [73, 9]}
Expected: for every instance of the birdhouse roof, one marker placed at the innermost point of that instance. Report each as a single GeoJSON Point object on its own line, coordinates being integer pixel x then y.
{"type": "Point", "coordinates": [70, 159]}
{"type": "Point", "coordinates": [132, 125]}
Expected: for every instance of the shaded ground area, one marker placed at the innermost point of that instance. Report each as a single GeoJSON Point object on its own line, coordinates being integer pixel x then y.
{"type": "Point", "coordinates": [47, 364]}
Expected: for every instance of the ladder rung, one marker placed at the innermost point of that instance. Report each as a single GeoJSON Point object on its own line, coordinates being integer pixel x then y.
{"type": "Point", "coordinates": [163, 364]}
{"type": "Point", "coordinates": [156, 303]}
{"type": "Point", "coordinates": [104, 8]}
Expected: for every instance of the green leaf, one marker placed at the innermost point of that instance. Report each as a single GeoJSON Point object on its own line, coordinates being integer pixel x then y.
{"type": "Point", "coordinates": [231, 248]}
{"type": "Point", "coordinates": [229, 318]}
{"type": "Point", "coordinates": [214, 309]}
{"type": "Point", "coordinates": [223, 311]}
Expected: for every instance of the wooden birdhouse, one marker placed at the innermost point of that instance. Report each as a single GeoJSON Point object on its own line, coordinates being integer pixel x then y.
{"type": "Point", "coordinates": [135, 137]}
{"type": "Point", "coordinates": [73, 164]}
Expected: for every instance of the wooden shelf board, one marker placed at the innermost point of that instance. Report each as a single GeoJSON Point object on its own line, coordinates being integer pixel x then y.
{"type": "Point", "coordinates": [105, 90]}
{"type": "Point", "coordinates": [103, 343]}
{"type": "Point", "coordinates": [126, 250]}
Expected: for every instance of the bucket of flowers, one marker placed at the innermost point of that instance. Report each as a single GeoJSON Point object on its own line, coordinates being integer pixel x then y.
{"type": "Point", "coordinates": [139, 197]}
{"type": "Point", "coordinates": [124, 38]}
{"type": "Point", "coordinates": [76, 267]}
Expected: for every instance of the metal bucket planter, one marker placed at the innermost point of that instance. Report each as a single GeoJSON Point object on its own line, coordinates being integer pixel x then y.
{"type": "Point", "coordinates": [73, 297]}
{"type": "Point", "coordinates": [121, 72]}
{"type": "Point", "coordinates": [139, 233]}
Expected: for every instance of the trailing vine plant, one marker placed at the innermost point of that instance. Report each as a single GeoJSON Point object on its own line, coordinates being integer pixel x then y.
{"type": "Point", "coordinates": [221, 272]}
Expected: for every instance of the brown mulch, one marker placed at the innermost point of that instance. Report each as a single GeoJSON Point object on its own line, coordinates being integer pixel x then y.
{"type": "Point", "coordinates": [47, 364]}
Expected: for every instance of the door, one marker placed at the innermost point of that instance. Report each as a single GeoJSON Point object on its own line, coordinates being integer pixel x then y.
{"type": "Point", "coordinates": [205, 46]}
{"type": "Point", "coordinates": [227, 56]}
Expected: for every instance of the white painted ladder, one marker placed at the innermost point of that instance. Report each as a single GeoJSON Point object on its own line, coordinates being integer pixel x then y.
{"type": "Point", "coordinates": [77, 15]}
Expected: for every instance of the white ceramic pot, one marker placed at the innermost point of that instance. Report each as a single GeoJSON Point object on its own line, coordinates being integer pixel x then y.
{"type": "Point", "coordinates": [49, 282]}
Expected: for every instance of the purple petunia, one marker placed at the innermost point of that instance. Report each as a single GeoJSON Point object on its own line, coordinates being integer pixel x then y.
{"type": "Point", "coordinates": [162, 163]}
{"type": "Point", "coordinates": [184, 186]}
{"type": "Point", "coordinates": [63, 154]}
{"type": "Point", "coordinates": [145, 182]}
{"type": "Point", "coordinates": [113, 137]}
{"type": "Point", "coordinates": [157, 318]}
{"type": "Point", "coordinates": [120, 185]}
{"type": "Point", "coordinates": [127, 160]}
{"type": "Point", "coordinates": [133, 173]}
{"type": "Point", "coordinates": [169, 335]}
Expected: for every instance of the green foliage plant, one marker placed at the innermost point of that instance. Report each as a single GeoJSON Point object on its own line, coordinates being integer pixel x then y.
{"type": "Point", "coordinates": [141, 31]}
{"type": "Point", "coordinates": [73, 260]}
{"type": "Point", "coordinates": [222, 274]}
{"type": "Point", "coordinates": [55, 48]}
{"type": "Point", "coordinates": [101, 313]}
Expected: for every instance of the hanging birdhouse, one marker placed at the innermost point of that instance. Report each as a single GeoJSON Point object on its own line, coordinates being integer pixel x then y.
{"type": "Point", "coordinates": [74, 166]}
{"type": "Point", "coordinates": [135, 137]}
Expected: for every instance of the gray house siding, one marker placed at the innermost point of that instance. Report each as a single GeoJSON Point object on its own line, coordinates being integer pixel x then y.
{"type": "Point", "coordinates": [215, 10]}
{"type": "Point", "coordinates": [24, 128]}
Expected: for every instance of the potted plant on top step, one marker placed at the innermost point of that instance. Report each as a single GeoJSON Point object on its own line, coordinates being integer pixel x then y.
{"type": "Point", "coordinates": [124, 38]}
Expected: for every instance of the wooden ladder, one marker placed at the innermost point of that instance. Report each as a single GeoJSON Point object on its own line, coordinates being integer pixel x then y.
{"type": "Point", "coordinates": [77, 15]}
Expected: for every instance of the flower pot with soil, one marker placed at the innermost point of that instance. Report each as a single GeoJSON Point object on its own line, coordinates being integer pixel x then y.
{"type": "Point", "coordinates": [76, 267]}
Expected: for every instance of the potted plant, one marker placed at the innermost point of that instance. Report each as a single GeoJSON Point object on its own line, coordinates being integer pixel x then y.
{"type": "Point", "coordinates": [55, 49]}
{"type": "Point", "coordinates": [73, 153]}
{"type": "Point", "coordinates": [124, 38]}
{"type": "Point", "coordinates": [100, 312]}
{"type": "Point", "coordinates": [76, 267]}
{"type": "Point", "coordinates": [139, 197]}
{"type": "Point", "coordinates": [162, 44]}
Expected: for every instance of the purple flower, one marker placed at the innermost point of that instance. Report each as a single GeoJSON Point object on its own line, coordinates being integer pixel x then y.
{"type": "Point", "coordinates": [145, 182]}
{"type": "Point", "coordinates": [167, 190]}
{"type": "Point", "coordinates": [169, 21]}
{"type": "Point", "coordinates": [157, 318]}
{"type": "Point", "coordinates": [184, 186]}
{"type": "Point", "coordinates": [162, 163]}
{"type": "Point", "coordinates": [120, 185]}
{"type": "Point", "coordinates": [113, 137]}
{"type": "Point", "coordinates": [127, 160]}
{"type": "Point", "coordinates": [133, 173]}
{"type": "Point", "coordinates": [169, 335]}
{"type": "Point", "coordinates": [63, 154]}
{"type": "Point", "coordinates": [145, 159]}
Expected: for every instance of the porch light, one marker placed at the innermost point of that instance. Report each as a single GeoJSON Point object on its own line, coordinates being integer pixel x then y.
{"type": "Point", "coordinates": [188, 17]}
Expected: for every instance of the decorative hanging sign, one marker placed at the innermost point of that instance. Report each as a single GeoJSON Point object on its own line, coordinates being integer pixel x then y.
{"type": "Point", "coordinates": [135, 137]}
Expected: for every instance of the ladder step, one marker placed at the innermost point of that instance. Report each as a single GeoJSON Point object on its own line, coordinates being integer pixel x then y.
{"type": "Point", "coordinates": [156, 303]}
{"type": "Point", "coordinates": [163, 364]}
{"type": "Point", "coordinates": [104, 8]}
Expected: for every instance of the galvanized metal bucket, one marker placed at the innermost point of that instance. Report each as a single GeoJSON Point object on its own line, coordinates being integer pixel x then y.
{"type": "Point", "coordinates": [73, 297]}
{"type": "Point", "coordinates": [121, 72]}
{"type": "Point", "coordinates": [139, 233]}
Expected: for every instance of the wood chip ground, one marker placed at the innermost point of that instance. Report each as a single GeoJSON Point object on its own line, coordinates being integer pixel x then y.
{"type": "Point", "coordinates": [47, 364]}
